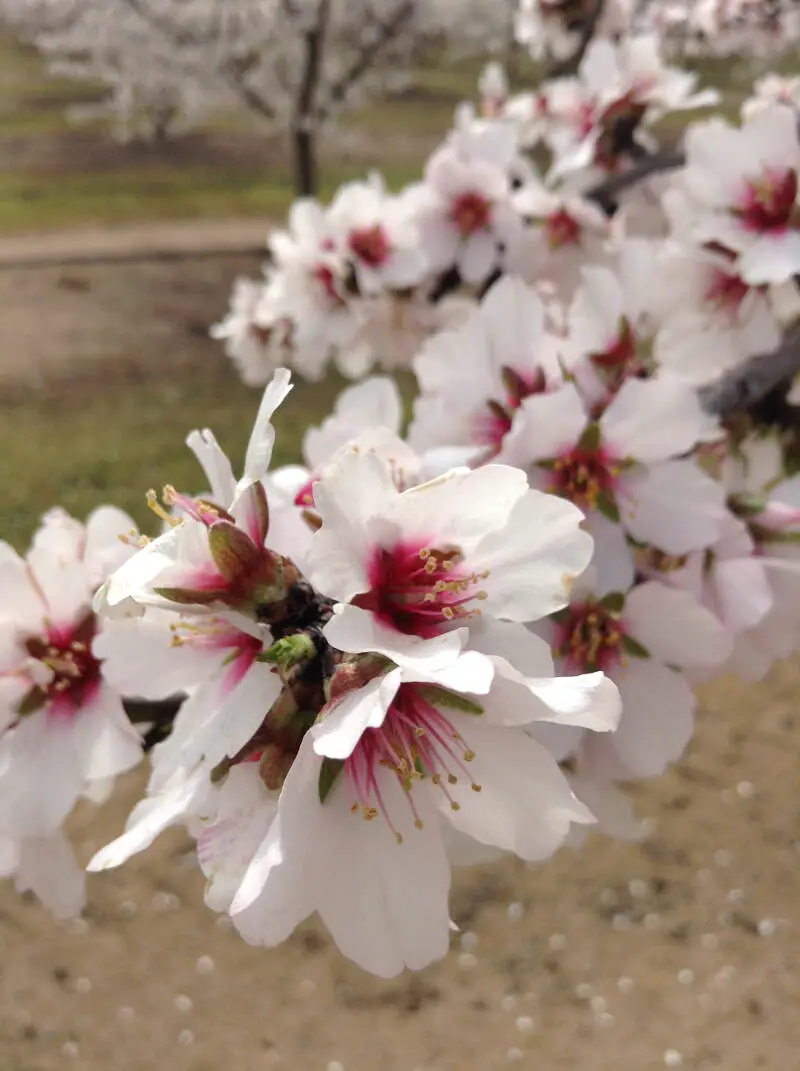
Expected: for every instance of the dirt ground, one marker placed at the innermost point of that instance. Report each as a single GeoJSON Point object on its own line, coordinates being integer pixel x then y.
{"type": "Point", "coordinates": [682, 951]}
{"type": "Point", "coordinates": [56, 321]}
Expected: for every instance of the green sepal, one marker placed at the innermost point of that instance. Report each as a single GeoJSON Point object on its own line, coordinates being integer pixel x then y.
{"type": "Point", "coordinates": [233, 550]}
{"type": "Point", "coordinates": [328, 775]}
{"type": "Point", "coordinates": [443, 697]}
{"type": "Point", "coordinates": [32, 701]}
{"type": "Point", "coordinates": [608, 507]}
{"type": "Point", "coordinates": [633, 648]}
{"type": "Point", "coordinates": [613, 603]}
{"type": "Point", "coordinates": [589, 442]}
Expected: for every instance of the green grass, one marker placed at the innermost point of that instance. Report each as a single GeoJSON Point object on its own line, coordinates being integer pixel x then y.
{"type": "Point", "coordinates": [106, 441]}
{"type": "Point", "coordinates": [36, 202]}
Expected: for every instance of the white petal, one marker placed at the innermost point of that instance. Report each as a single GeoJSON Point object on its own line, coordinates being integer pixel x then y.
{"type": "Point", "coordinates": [354, 630]}
{"type": "Point", "coordinates": [215, 464]}
{"type": "Point", "coordinates": [152, 816]}
{"type": "Point", "coordinates": [525, 804]}
{"type": "Point", "coordinates": [674, 506]}
{"type": "Point", "coordinates": [48, 868]}
{"type": "Point", "coordinates": [262, 439]}
{"type": "Point", "coordinates": [106, 744]}
{"type": "Point", "coordinates": [534, 559]}
{"type": "Point", "coordinates": [674, 628]}
{"type": "Point", "coordinates": [337, 735]}
{"type": "Point", "coordinates": [651, 420]}
{"type": "Point", "coordinates": [656, 726]}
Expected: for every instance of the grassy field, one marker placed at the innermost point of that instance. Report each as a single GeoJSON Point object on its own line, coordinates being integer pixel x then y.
{"type": "Point", "coordinates": [55, 174]}
{"type": "Point", "coordinates": [80, 446]}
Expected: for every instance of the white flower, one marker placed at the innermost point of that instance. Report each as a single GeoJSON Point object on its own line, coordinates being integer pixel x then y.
{"type": "Point", "coordinates": [306, 286]}
{"type": "Point", "coordinates": [414, 564]}
{"type": "Point", "coordinates": [627, 467]}
{"type": "Point", "coordinates": [378, 235]}
{"type": "Point", "coordinates": [464, 209]}
{"type": "Point", "coordinates": [769, 90]}
{"type": "Point", "coordinates": [62, 726]}
{"type": "Point", "coordinates": [215, 551]}
{"type": "Point", "coordinates": [641, 639]}
{"type": "Point", "coordinates": [509, 356]}
{"type": "Point", "coordinates": [744, 185]}
{"type": "Point", "coordinates": [256, 343]}
{"type": "Point", "coordinates": [712, 319]}
{"type": "Point", "coordinates": [410, 753]}
{"type": "Point", "coordinates": [215, 660]}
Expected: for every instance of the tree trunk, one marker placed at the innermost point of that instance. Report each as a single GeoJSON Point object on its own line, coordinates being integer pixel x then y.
{"type": "Point", "coordinates": [305, 163]}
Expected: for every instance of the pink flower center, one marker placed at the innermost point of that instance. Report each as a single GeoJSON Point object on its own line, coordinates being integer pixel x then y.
{"type": "Point", "coordinates": [492, 426]}
{"type": "Point", "coordinates": [621, 360]}
{"type": "Point", "coordinates": [471, 212]}
{"type": "Point", "coordinates": [371, 245]}
{"type": "Point", "coordinates": [419, 590]}
{"type": "Point", "coordinates": [585, 477]}
{"type": "Point", "coordinates": [305, 496]}
{"type": "Point", "coordinates": [726, 290]}
{"type": "Point", "coordinates": [768, 203]}
{"type": "Point", "coordinates": [562, 229]}
{"type": "Point", "coordinates": [66, 652]}
{"type": "Point", "coordinates": [326, 279]}
{"type": "Point", "coordinates": [416, 742]}
{"type": "Point", "coordinates": [588, 638]}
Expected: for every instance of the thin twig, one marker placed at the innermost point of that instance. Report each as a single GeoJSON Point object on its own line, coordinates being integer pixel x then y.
{"type": "Point", "coordinates": [569, 65]}
{"type": "Point", "coordinates": [740, 389]}
{"type": "Point", "coordinates": [387, 31]}
{"type": "Point", "coordinates": [605, 193]}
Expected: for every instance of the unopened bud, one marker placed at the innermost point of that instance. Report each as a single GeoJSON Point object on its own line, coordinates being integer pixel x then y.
{"type": "Point", "coordinates": [290, 651]}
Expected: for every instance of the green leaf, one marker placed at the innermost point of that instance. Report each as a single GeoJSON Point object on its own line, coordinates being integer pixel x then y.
{"type": "Point", "coordinates": [633, 648]}
{"type": "Point", "coordinates": [443, 697]}
{"type": "Point", "coordinates": [613, 602]}
{"type": "Point", "coordinates": [328, 775]}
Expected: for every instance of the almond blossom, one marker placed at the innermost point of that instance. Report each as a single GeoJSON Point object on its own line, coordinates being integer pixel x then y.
{"type": "Point", "coordinates": [358, 834]}
{"type": "Point", "coordinates": [642, 639]}
{"type": "Point", "coordinates": [412, 565]}
{"type": "Point", "coordinates": [625, 470]}
{"type": "Point", "coordinates": [63, 728]}
{"type": "Point", "coordinates": [510, 356]}
{"type": "Point", "coordinates": [743, 186]}
{"type": "Point", "coordinates": [465, 214]}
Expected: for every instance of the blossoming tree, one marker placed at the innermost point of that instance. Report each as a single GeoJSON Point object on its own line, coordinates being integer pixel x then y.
{"type": "Point", "coordinates": [294, 63]}
{"type": "Point", "coordinates": [424, 647]}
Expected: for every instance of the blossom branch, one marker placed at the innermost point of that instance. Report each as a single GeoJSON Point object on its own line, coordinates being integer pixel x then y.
{"type": "Point", "coordinates": [605, 193]}
{"type": "Point", "coordinates": [743, 387]}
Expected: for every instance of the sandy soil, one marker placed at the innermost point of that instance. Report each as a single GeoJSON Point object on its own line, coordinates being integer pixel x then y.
{"type": "Point", "coordinates": [683, 951]}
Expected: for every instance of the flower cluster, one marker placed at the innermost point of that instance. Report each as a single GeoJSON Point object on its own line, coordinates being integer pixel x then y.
{"type": "Point", "coordinates": [428, 645]}
{"type": "Point", "coordinates": [369, 277]}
